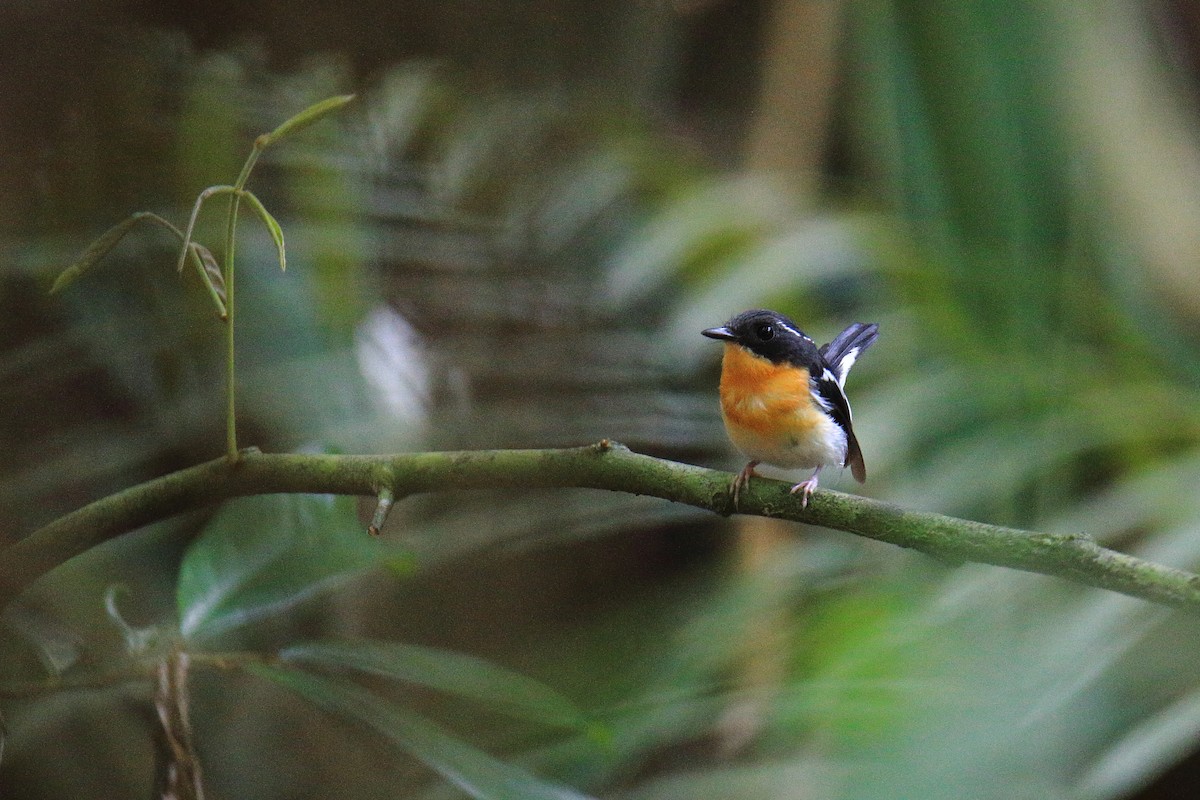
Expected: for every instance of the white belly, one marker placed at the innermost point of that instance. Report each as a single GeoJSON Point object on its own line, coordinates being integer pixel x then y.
{"type": "Point", "coordinates": [821, 445]}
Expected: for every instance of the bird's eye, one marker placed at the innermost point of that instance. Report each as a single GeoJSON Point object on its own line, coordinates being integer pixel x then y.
{"type": "Point", "coordinates": [764, 331]}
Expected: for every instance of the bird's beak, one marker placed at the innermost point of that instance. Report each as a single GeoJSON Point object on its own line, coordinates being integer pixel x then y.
{"type": "Point", "coordinates": [722, 333]}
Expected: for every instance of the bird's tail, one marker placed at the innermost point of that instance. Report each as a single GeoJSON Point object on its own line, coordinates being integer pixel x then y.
{"type": "Point", "coordinates": [854, 459]}
{"type": "Point", "coordinates": [845, 349]}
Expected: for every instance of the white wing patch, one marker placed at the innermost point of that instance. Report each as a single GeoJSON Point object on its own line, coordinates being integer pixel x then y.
{"type": "Point", "coordinates": [843, 367]}
{"type": "Point", "coordinates": [829, 378]}
{"type": "Point", "coordinates": [817, 397]}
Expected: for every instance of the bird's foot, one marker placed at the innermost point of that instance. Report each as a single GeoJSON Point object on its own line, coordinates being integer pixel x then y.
{"type": "Point", "coordinates": [805, 489]}
{"type": "Point", "coordinates": [742, 480]}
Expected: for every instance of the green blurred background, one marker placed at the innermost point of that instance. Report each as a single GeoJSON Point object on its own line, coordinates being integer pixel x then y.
{"type": "Point", "coordinates": [512, 239]}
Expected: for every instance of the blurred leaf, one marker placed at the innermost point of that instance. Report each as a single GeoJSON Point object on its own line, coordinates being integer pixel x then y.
{"type": "Point", "coordinates": [455, 673]}
{"type": "Point", "coordinates": [307, 117]}
{"type": "Point", "coordinates": [789, 262]}
{"type": "Point", "coordinates": [398, 108]}
{"type": "Point", "coordinates": [579, 193]}
{"type": "Point", "coordinates": [794, 779]}
{"type": "Point", "coordinates": [103, 245]}
{"type": "Point", "coordinates": [260, 555]}
{"type": "Point", "coordinates": [489, 153]}
{"type": "Point", "coordinates": [1145, 750]}
{"type": "Point", "coordinates": [475, 772]}
{"type": "Point", "coordinates": [1164, 494]}
{"type": "Point", "coordinates": [272, 227]}
{"type": "Point", "coordinates": [710, 218]}
{"type": "Point", "coordinates": [56, 646]}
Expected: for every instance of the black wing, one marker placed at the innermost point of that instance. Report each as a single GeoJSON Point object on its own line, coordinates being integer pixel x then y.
{"type": "Point", "coordinates": [839, 356]}
{"type": "Point", "coordinates": [829, 391]}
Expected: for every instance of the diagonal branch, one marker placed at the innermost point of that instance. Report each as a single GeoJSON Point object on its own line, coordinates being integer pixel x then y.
{"type": "Point", "coordinates": [605, 465]}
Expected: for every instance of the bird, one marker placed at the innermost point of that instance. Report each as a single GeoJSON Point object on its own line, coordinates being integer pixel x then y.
{"type": "Point", "coordinates": [783, 399]}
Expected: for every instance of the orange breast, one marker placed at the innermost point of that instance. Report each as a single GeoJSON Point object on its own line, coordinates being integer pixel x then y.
{"type": "Point", "coordinates": [770, 414]}
{"type": "Point", "coordinates": [762, 396]}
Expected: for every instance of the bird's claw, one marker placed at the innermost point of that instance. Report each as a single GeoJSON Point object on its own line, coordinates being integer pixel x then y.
{"type": "Point", "coordinates": [805, 489]}
{"type": "Point", "coordinates": [741, 481]}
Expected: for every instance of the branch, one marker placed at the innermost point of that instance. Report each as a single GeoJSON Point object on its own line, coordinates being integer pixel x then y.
{"type": "Point", "coordinates": [604, 465]}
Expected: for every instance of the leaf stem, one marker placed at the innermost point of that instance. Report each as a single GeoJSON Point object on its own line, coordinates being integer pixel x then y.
{"type": "Point", "coordinates": [237, 191]}
{"type": "Point", "coordinates": [231, 444]}
{"type": "Point", "coordinates": [203, 260]}
{"type": "Point", "coordinates": [235, 200]}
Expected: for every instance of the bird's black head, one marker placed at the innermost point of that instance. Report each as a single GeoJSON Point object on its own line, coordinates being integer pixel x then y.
{"type": "Point", "coordinates": [768, 334]}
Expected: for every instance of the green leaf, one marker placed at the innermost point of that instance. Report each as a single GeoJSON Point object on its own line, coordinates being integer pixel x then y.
{"type": "Point", "coordinates": [261, 555]}
{"type": "Point", "coordinates": [454, 673]}
{"type": "Point", "coordinates": [211, 191]}
{"type": "Point", "coordinates": [103, 245]}
{"type": "Point", "coordinates": [210, 273]}
{"type": "Point", "coordinates": [272, 226]}
{"type": "Point", "coordinates": [305, 118]}
{"type": "Point", "coordinates": [470, 769]}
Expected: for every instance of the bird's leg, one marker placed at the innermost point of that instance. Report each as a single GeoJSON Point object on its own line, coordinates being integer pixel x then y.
{"type": "Point", "coordinates": [806, 487]}
{"type": "Point", "coordinates": [742, 480]}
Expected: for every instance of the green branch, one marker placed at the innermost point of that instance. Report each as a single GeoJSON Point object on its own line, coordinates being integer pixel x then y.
{"type": "Point", "coordinates": [602, 466]}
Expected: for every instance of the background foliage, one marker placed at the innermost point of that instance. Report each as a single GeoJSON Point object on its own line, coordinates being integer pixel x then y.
{"type": "Point", "coordinates": [512, 240]}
